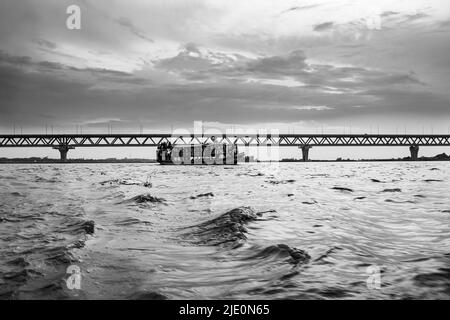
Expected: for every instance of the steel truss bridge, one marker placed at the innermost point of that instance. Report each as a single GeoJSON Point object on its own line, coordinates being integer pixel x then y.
{"type": "Point", "coordinates": [65, 142]}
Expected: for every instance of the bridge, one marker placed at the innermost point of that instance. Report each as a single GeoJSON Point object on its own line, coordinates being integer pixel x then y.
{"type": "Point", "coordinates": [64, 142]}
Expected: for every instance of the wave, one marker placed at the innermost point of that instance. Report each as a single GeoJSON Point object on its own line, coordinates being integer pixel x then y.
{"type": "Point", "coordinates": [144, 295]}
{"type": "Point", "coordinates": [86, 226]}
{"type": "Point", "coordinates": [145, 198]}
{"type": "Point", "coordinates": [392, 190]}
{"type": "Point", "coordinates": [259, 174]}
{"type": "Point", "coordinates": [331, 292]}
{"type": "Point", "coordinates": [342, 189]}
{"type": "Point", "coordinates": [202, 195]}
{"type": "Point", "coordinates": [131, 221]}
{"type": "Point", "coordinates": [45, 180]}
{"type": "Point", "coordinates": [395, 201]}
{"type": "Point", "coordinates": [146, 184]}
{"type": "Point", "coordinates": [436, 280]}
{"type": "Point", "coordinates": [227, 229]}
{"type": "Point", "coordinates": [26, 271]}
{"type": "Point", "coordinates": [280, 182]}
{"type": "Point", "coordinates": [282, 251]}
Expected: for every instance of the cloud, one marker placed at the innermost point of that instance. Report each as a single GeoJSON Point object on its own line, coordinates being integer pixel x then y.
{"type": "Point", "coordinates": [293, 63]}
{"type": "Point", "coordinates": [323, 26]}
{"type": "Point", "coordinates": [14, 60]}
{"type": "Point", "coordinates": [188, 59]}
{"type": "Point", "coordinates": [445, 24]}
{"type": "Point", "coordinates": [301, 8]}
{"type": "Point", "coordinates": [127, 23]}
{"type": "Point", "coordinates": [45, 44]}
{"type": "Point", "coordinates": [388, 13]}
{"type": "Point", "coordinates": [93, 77]}
{"type": "Point", "coordinates": [292, 69]}
{"type": "Point", "coordinates": [70, 95]}
{"type": "Point", "coordinates": [100, 121]}
{"type": "Point", "coordinates": [193, 63]}
{"type": "Point", "coordinates": [416, 16]}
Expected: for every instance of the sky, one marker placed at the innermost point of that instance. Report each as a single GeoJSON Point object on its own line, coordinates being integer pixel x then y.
{"type": "Point", "coordinates": [290, 66]}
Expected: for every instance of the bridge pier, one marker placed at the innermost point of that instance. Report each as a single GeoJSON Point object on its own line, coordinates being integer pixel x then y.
{"type": "Point", "coordinates": [414, 150]}
{"type": "Point", "coordinates": [63, 149]}
{"type": "Point", "coordinates": [305, 152]}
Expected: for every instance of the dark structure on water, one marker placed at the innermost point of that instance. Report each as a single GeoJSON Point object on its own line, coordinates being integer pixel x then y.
{"type": "Point", "coordinates": [197, 154]}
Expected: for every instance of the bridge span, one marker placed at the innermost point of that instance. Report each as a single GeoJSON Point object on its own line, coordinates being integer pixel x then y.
{"type": "Point", "coordinates": [64, 142]}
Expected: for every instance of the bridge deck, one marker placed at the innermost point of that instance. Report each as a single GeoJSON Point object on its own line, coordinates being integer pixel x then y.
{"type": "Point", "coordinates": [282, 140]}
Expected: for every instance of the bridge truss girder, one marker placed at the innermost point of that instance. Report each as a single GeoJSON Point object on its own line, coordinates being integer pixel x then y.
{"type": "Point", "coordinates": [283, 140]}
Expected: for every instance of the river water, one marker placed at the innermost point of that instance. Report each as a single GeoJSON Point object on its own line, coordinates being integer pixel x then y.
{"type": "Point", "coordinates": [375, 230]}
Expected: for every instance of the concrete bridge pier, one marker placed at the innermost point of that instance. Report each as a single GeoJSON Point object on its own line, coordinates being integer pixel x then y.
{"type": "Point", "coordinates": [63, 149]}
{"type": "Point", "coordinates": [414, 150]}
{"type": "Point", "coordinates": [305, 152]}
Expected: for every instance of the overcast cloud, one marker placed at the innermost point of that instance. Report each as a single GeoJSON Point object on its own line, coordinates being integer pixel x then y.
{"type": "Point", "coordinates": [251, 63]}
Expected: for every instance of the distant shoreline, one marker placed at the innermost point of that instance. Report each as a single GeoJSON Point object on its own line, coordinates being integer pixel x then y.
{"type": "Point", "coordinates": [438, 157]}
{"type": "Point", "coordinates": [151, 161]}
{"type": "Point", "coordinates": [56, 161]}
{"type": "Point", "coordinates": [369, 160]}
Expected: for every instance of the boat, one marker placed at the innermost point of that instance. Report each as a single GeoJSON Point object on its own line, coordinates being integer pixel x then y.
{"type": "Point", "coordinates": [197, 154]}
